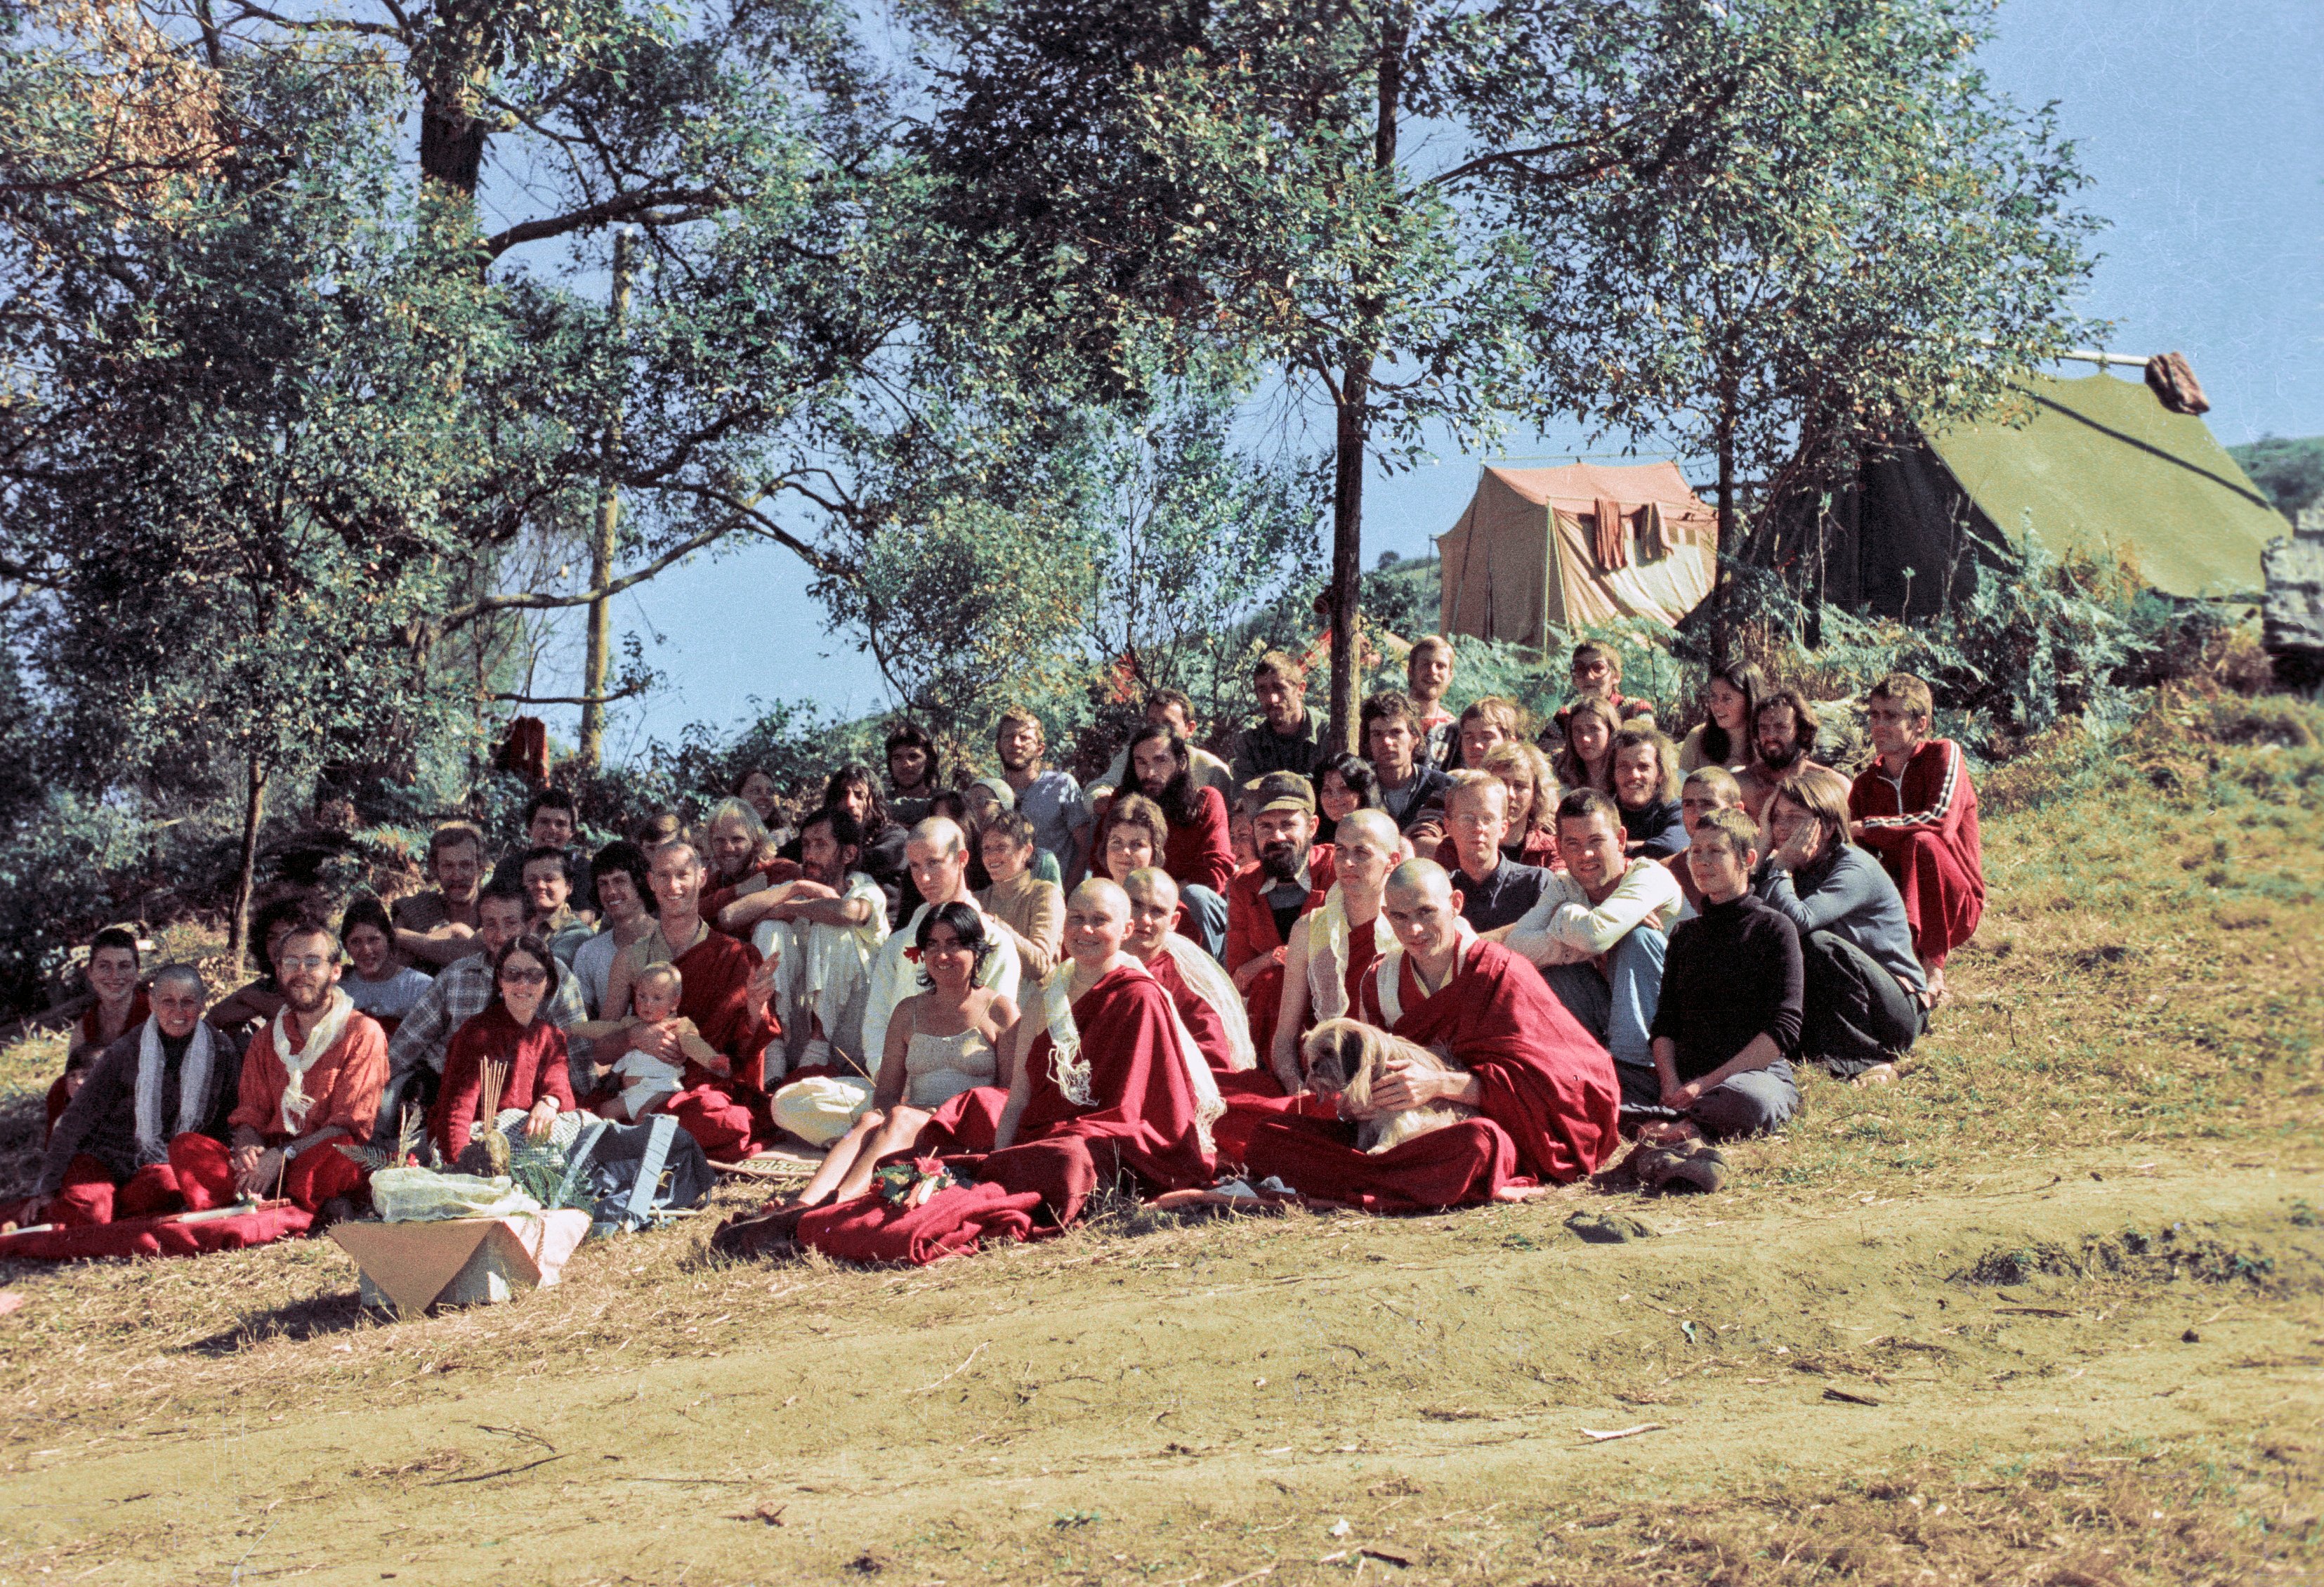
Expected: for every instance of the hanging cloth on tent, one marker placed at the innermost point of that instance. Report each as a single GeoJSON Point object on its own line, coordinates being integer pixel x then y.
{"type": "Point", "coordinates": [1653, 534]}
{"type": "Point", "coordinates": [1612, 541]}
{"type": "Point", "coordinates": [2171, 379]}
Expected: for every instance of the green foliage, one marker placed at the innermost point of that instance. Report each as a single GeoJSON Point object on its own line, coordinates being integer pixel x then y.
{"type": "Point", "coordinates": [2290, 472]}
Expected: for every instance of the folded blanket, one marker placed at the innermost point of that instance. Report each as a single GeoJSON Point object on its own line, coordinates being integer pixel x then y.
{"type": "Point", "coordinates": [870, 1229]}
{"type": "Point", "coordinates": [177, 1236]}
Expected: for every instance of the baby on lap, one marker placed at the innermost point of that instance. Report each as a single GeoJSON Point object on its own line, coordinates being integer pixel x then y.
{"type": "Point", "coordinates": [654, 1000]}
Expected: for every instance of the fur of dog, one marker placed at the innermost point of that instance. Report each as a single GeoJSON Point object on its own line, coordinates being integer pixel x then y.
{"type": "Point", "coordinates": [1344, 1057]}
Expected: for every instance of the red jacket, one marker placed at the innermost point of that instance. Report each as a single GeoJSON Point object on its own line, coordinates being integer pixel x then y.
{"type": "Point", "coordinates": [535, 1056]}
{"type": "Point", "coordinates": [1925, 834]}
{"type": "Point", "coordinates": [1250, 922]}
{"type": "Point", "coordinates": [1200, 853]}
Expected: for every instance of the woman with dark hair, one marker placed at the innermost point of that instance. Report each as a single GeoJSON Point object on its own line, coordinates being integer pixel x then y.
{"type": "Point", "coordinates": [946, 1040]}
{"type": "Point", "coordinates": [510, 1031]}
{"type": "Point", "coordinates": [1344, 784]}
{"type": "Point", "coordinates": [1730, 704]}
{"type": "Point", "coordinates": [912, 776]}
{"type": "Point", "coordinates": [757, 788]}
{"type": "Point", "coordinates": [622, 894]}
{"type": "Point", "coordinates": [381, 985]}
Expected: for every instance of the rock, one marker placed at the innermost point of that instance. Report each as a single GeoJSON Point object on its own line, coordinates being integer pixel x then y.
{"type": "Point", "coordinates": [1607, 1228]}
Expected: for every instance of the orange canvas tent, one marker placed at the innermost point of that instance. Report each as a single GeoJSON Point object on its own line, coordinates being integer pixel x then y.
{"type": "Point", "coordinates": [1574, 547]}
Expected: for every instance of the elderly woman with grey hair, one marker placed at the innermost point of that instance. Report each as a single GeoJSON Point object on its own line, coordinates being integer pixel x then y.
{"type": "Point", "coordinates": [169, 1078]}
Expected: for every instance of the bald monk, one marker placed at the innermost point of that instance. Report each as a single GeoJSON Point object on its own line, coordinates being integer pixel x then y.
{"type": "Point", "coordinates": [1546, 1091]}
{"type": "Point", "coordinates": [1203, 994]}
{"type": "Point", "coordinates": [1107, 1080]}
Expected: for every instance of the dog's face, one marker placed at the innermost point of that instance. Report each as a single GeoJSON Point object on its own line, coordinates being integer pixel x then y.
{"type": "Point", "coordinates": [1331, 1057]}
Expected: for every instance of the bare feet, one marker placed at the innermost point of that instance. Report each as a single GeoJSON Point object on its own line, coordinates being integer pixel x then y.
{"type": "Point", "coordinates": [1938, 996]}
{"type": "Point", "coordinates": [1879, 1075]}
{"type": "Point", "coordinates": [1668, 1132]}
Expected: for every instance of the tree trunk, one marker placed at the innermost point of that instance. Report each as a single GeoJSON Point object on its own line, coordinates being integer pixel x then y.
{"type": "Point", "coordinates": [1721, 617]}
{"type": "Point", "coordinates": [1347, 548]}
{"type": "Point", "coordinates": [599, 660]}
{"type": "Point", "coordinates": [245, 881]}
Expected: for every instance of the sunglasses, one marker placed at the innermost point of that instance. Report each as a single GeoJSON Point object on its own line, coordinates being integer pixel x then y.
{"type": "Point", "coordinates": [524, 977]}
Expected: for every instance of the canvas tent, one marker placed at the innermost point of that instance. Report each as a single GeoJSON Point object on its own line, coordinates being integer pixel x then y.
{"type": "Point", "coordinates": [1576, 547]}
{"type": "Point", "coordinates": [2101, 465]}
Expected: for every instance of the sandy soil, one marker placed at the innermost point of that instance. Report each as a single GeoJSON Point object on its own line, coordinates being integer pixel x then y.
{"type": "Point", "coordinates": [1201, 1404]}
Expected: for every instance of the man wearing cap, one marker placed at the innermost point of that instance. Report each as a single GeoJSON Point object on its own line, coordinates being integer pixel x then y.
{"type": "Point", "coordinates": [1264, 900]}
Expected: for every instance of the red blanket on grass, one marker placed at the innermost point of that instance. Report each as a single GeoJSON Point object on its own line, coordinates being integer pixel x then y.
{"type": "Point", "coordinates": [174, 1236]}
{"type": "Point", "coordinates": [870, 1229]}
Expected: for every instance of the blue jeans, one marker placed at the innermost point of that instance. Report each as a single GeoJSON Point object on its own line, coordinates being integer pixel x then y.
{"type": "Point", "coordinates": [1617, 1007]}
{"type": "Point", "coordinates": [1206, 912]}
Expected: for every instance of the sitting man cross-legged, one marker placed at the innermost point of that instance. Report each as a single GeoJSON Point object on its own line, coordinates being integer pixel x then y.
{"type": "Point", "coordinates": [110, 1155]}
{"type": "Point", "coordinates": [1729, 1020]}
{"type": "Point", "coordinates": [1916, 808]}
{"type": "Point", "coordinates": [821, 1108]}
{"type": "Point", "coordinates": [821, 933]}
{"type": "Point", "coordinates": [311, 1078]}
{"type": "Point", "coordinates": [1598, 934]}
{"type": "Point", "coordinates": [1546, 1091]}
{"type": "Point", "coordinates": [1866, 1001]}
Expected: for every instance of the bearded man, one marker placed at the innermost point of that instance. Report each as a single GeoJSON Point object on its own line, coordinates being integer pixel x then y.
{"type": "Point", "coordinates": [1265, 901]}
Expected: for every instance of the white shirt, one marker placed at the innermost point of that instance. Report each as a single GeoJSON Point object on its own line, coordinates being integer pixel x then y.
{"type": "Point", "coordinates": [1565, 927]}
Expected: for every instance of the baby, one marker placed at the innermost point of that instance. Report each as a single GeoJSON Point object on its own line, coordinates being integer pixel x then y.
{"type": "Point", "coordinates": [654, 1000]}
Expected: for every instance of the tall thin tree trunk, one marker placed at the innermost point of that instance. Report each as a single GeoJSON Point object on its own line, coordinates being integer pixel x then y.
{"type": "Point", "coordinates": [1721, 614]}
{"type": "Point", "coordinates": [599, 661]}
{"type": "Point", "coordinates": [245, 881]}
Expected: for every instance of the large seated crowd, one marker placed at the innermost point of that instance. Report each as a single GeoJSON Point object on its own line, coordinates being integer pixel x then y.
{"type": "Point", "coordinates": [1463, 966]}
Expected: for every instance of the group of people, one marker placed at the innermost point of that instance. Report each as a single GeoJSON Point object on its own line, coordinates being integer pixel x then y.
{"type": "Point", "coordinates": [1536, 947]}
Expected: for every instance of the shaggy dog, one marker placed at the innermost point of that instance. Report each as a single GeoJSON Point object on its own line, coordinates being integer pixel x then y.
{"type": "Point", "coordinates": [1343, 1057]}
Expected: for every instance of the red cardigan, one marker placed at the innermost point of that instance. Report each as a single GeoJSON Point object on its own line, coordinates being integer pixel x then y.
{"type": "Point", "coordinates": [534, 1054]}
{"type": "Point", "coordinates": [1201, 853]}
{"type": "Point", "coordinates": [1251, 920]}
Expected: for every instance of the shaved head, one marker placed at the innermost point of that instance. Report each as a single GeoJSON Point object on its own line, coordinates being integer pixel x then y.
{"type": "Point", "coordinates": [1150, 884]}
{"type": "Point", "coordinates": [1097, 922]}
{"type": "Point", "coordinates": [1153, 911]}
{"type": "Point", "coordinates": [1420, 880]}
{"type": "Point", "coordinates": [1377, 824]}
{"type": "Point", "coordinates": [942, 834]}
{"type": "Point", "coordinates": [1094, 893]}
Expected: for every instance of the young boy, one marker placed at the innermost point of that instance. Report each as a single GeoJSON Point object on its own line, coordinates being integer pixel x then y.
{"type": "Point", "coordinates": [1707, 790]}
{"type": "Point", "coordinates": [1598, 670]}
{"type": "Point", "coordinates": [653, 999]}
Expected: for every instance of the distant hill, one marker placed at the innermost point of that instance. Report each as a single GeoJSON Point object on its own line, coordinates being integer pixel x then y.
{"type": "Point", "coordinates": [2292, 472]}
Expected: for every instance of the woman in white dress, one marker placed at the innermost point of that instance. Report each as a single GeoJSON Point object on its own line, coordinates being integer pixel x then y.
{"type": "Point", "coordinates": [947, 1039]}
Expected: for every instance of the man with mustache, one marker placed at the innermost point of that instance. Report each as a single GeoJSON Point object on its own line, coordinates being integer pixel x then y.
{"type": "Point", "coordinates": [1263, 901]}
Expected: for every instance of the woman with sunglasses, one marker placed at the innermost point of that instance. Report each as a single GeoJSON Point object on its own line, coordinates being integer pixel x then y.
{"type": "Point", "coordinates": [511, 1030]}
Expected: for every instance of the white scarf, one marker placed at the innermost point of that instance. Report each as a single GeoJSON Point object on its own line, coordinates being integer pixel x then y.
{"type": "Point", "coordinates": [1071, 1071]}
{"type": "Point", "coordinates": [296, 1103]}
{"type": "Point", "coordinates": [1390, 970]}
{"type": "Point", "coordinates": [1328, 948]}
{"type": "Point", "coordinates": [1207, 980]}
{"type": "Point", "coordinates": [193, 1082]}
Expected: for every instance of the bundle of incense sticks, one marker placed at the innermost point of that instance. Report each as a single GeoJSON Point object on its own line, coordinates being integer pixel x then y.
{"type": "Point", "coordinates": [492, 1075]}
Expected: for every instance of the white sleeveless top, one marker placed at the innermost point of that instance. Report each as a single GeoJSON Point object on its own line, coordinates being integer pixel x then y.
{"type": "Point", "coordinates": [937, 1068]}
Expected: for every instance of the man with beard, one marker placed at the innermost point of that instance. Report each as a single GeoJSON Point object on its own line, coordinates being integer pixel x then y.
{"type": "Point", "coordinates": [723, 1102]}
{"type": "Point", "coordinates": [438, 927]}
{"type": "Point", "coordinates": [1050, 799]}
{"type": "Point", "coordinates": [821, 934]}
{"type": "Point", "coordinates": [820, 1107]}
{"type": "Point", "coordinates": [1283, 737]}
{"type": "Point", "coordinates": [1598, 935]}
{"type": "Point", "coordinates": [312, 1077]}
{"type": "Point", "coordinates": [1495, 890]}
{"type": "Point", "coordinates": [1166, 708]}
{"type": "Point", "coordinates": [1783, 734]}
{"type": "Point", "coordinates": [464, 991]}
{"type": "Point", "coordinates": [1545, 1092]}
{"type": "Point", "coordinates": [1412, 791]}
{"type": "Point", "coordinates": [1204, 997]}
{"type": "Point", "coordinates": [169, 1076]}
{"type": "Point", "coordinates": [1198, 853]}
{"type": "Point", "coordinates": [1263, 901]}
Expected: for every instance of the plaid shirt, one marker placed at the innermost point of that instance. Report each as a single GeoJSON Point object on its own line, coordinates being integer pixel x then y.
{"type": "Point", "coordinates": [463, 990]}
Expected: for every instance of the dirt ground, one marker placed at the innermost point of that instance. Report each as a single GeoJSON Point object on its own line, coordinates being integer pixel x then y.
{"type": "Point", "coordinates": [2049, 1313]}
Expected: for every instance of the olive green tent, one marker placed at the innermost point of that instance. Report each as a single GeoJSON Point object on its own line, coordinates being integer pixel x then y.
{"type": "Point", "coordinates": [2101, 466]}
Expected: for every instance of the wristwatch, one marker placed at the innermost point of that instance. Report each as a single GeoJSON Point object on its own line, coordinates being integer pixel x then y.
{"type": "Point", "coordinates": [289, 1150]}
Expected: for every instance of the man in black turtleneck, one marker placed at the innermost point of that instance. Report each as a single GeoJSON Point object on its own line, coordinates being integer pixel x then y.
{"type": "Point", "coordinates": [1728, 1019]}
{"type": "Point", "coordinates": [103, 1160]}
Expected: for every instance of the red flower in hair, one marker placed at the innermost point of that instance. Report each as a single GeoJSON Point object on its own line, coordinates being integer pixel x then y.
{"type": "Point", "coordinates": [912, 954]}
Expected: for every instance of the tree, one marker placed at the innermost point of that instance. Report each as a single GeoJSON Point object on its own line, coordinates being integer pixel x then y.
{"type": "Point", "coordinates": [1327, 192]}
{"type": "Point", "coordinates": [1864, 240]}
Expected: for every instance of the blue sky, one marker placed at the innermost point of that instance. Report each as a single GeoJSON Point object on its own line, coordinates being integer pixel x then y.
{"type": "Point", "coordinates": [2203, 127]}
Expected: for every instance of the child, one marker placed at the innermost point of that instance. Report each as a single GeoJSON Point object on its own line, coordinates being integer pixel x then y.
{"type": "Point", "coordinates": [654, 1001]}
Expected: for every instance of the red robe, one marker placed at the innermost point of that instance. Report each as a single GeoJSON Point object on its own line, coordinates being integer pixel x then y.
{"type": "Point", "coordinates": [1548, 1111]}
{"type": "Point", "coordinates": [1140, 1118]}
{"type": "Point", "coordinates": [1209, 1031]}
{"type": "Point", "coordinates": [1251, 934]}
{"type": "Point", "coordinates": [88, 1032]}
{"type": "Point", "coordinates": [774, 872]}
{"type": "Point", "coordinates": [1201, 853]}
{"type": "Point", "coordinates": [724, 1113]}
{"type": "Point", "coordinates": [535, 1056]}
{"type": "Point", "coordinates": [1927, 841]}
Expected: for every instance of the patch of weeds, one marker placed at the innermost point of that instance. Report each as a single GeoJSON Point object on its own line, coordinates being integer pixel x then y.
{"type": "Point", "coordinates": [2175, 1252]}
{"type": "Point", "coordinates": [1068, 1519]}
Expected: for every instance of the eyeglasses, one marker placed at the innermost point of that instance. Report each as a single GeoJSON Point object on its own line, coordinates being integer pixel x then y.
{"type": "Point", "coordinates": [309, 962]}
{"type": "Point", "coordinates": [524, 977]}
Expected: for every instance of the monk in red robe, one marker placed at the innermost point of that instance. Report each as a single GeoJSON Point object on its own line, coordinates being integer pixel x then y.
{"type": "Point", "coordinates": [1265, 901]}
{"type": "Point", "coordinates": [1104, 1087]}
{"type": "Point", "coordinates": [311, 1079]}
{"type": "Point", "coordinates": [1545, 1091]}
{"type": "Point", "coordinates": [1916, 808]}
{"type": "Point", "coordinates": [1199, 989]}
{"type": "Point", "coordinates": [721, 1103]}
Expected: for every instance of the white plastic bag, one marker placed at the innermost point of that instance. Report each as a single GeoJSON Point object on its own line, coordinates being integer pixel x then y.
{"type": "Point", "coordinates": [423, 1196]}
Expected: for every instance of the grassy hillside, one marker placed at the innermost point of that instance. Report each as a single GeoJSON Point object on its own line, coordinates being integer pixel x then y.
{"type": "Point", "coordinates": [2045, 1312]}
{"type": "Point", "coordinates": [2290, 472]}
